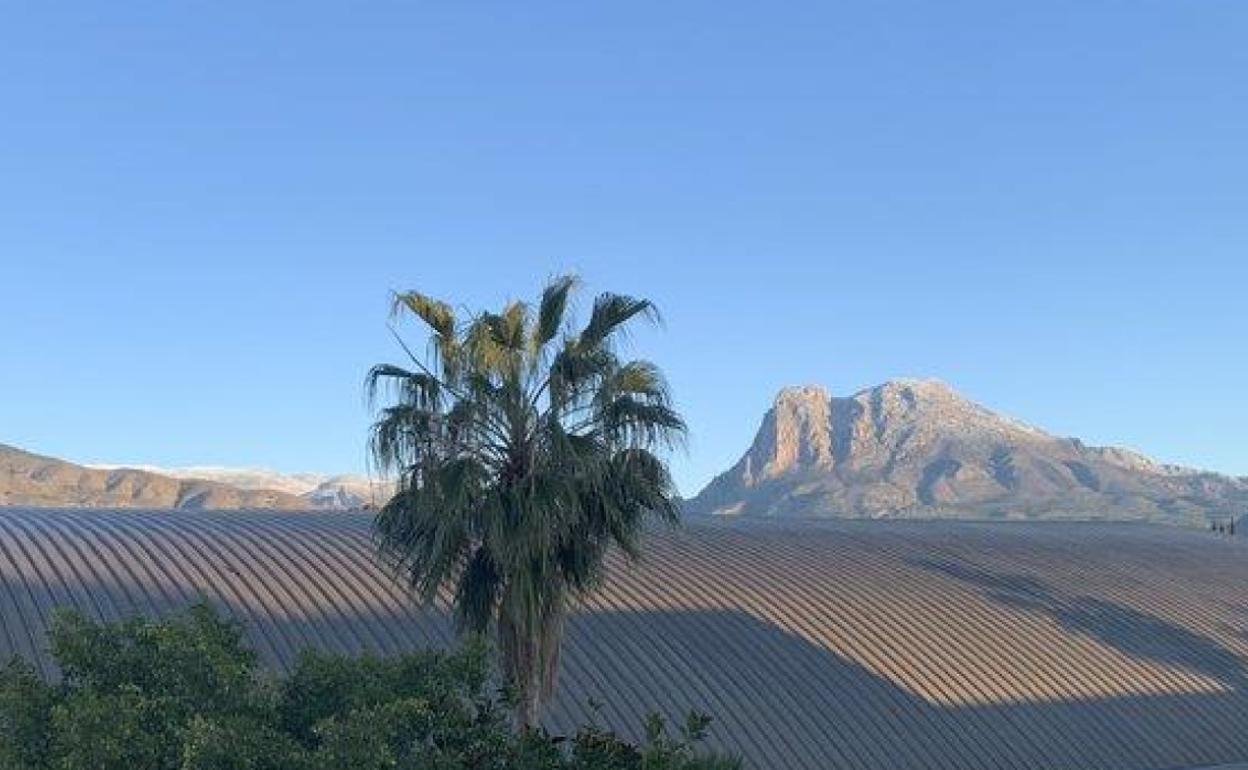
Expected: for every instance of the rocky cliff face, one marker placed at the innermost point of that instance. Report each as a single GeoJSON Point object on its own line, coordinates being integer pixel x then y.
{"type": "Point", "coordinates": [33, 480]}
{"type": "Point", "coordinates": [917, 448]}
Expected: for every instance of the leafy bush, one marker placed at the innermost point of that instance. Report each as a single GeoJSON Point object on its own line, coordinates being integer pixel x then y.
{"type": "Point", "coordinates": [186, 693]}
{"type": "Point", "coordinates": [25, 714]}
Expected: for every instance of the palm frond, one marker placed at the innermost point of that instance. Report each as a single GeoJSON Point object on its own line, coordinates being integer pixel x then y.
{"type": "Point", "coordinates": [574, 372]}
{"type": "Point", "coordinates": [630, 422]}
{"type": "Point", "coordinates": [610, 313]}
{"type": "Point", "coordinates": [511, 329]}
{"type": "Point", "coordinates": [638, 379]}
{"type": "Point", "coordinates": [488, 348]}
{"type": "Point", "coordinates": [413, 388]}
{"type": "Point", "coordinates": [551, 311]}
{"type": "Point", "coordinates": [401, 434]}
{"type": "Point", "coordinates": [438, 315]}
{"type": "Point", "coordinates": [477, 592]}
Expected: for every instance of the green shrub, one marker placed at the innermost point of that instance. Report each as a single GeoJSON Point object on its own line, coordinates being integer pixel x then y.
{"type": "Point", "coordinates": [25, 717]}
{"type": "Point", "coordinates": [323, 686]}
{"type": "Point", "coordinates": [196, 661]}
{"type": "Point", "coordinates": [185, 693]}
{"type": "Point", "coordinates": [240, 743]}
{"type": "Point", "coordinates": [121, 730]}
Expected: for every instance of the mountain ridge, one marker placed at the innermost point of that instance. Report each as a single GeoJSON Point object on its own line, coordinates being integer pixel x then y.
{"type": "Point", "coordinates": [30, 479]}
{"type": "Point", "coordinates": [905, 448]}
{"type": "Point", "coordinates": [912, 447]}
{"type": "Point", "coordinates": [320, 490]}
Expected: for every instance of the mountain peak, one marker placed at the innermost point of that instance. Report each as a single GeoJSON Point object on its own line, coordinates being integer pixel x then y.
{"type": "Point", "coordinates": [929, 384]}
{"type": "Point", "coordinates": [914, 388]}
{"type": "Point", "coordinates": [917, 447]}
{"type": "Point", "coordinates": [794, 434]}
{"type": "Point", "coordinates": [798, 394]}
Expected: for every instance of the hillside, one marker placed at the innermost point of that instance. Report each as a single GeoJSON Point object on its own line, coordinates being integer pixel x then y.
{"type": "Point", "coordinates": [918, 448]}
{"type": "Point", "coordinates": [318, 490]}
{"type": "Point", "coordinates": [34, 480]}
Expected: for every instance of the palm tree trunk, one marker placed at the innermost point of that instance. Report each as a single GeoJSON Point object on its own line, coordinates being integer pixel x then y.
{"type": "Point", "coordinates": [526, 678]}
{"type": "Point", "coordinates": [531, 705]}
{"type": "Point", "coordinates": [529, 646]}
{"type": "Point", "coordinates": [550, 648]}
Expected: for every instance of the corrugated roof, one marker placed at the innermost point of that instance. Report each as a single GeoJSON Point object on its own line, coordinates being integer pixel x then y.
{"type": "Point", "coordinates": [813, 644]}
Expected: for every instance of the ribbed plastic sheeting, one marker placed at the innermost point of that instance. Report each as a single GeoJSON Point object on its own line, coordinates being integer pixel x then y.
{"type": "Point", "coordinates": [885, 645]}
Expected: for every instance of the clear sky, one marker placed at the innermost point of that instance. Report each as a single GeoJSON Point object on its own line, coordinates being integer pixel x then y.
{"type": "Point", "coordinates": [204, 205]}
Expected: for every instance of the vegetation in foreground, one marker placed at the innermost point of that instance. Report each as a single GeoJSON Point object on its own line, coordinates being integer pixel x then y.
{"type": "Point", "coordinates": [525, 448]}
{"type": "Point", "coordinates": [185, 693]}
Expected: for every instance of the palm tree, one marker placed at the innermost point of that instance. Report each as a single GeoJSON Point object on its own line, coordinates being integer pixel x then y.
{"type": "Point", "coordinates": [524, 451]}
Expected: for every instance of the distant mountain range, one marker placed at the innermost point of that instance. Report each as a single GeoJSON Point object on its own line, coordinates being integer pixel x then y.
{"type": "Point", "coordinates": [317, 490]}
{"type": "Point", "coordinates": [907, 448]}
{"type": "Point", "coordinates": [35, 480]}
{"type": "Point", "coordinates": [916, 448]}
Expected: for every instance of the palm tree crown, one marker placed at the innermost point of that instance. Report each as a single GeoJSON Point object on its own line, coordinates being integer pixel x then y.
{"type": "Point", "coordinates": [523, 452]}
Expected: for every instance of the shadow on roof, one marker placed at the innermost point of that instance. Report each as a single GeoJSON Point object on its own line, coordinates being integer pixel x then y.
{"type": "Point", "coordinates": [1123, 628]}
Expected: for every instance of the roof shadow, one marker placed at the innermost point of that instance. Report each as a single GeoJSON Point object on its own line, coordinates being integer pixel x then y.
{"type": "Point", "coordinates": [777, 699]}
{"type": "Point", "coordinates": [1126, 629]}
{"type": "Point", "coordinates": [784, 702]}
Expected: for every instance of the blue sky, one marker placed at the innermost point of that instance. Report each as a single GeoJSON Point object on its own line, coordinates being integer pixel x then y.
{"type": "Point", "coordinates": [204, 205]}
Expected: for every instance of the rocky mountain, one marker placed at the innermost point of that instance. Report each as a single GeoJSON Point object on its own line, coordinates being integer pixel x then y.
{"type": "Point", "coordinates": [911, 448]}
{"type": "Point", "coordinates": [318, 490]}
{"type": "Point", "coordinates": [31, 479]}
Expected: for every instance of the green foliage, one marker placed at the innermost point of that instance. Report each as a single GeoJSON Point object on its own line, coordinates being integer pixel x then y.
{"type": "Point", "coordinates": [240, 743]}
{"type": "Point", "coordinates": [120, 730]}
{"type": "Point", "coordinates": [25, 717]}
{"type": "Point", "coordinates": [197, 662]}
{"type": "Point", "coordinates": [322, 687]}
{"type": "Point", "coordinates": [596, 749]}
{"type": "Point", "coordinates": [185, 694]}
{"type": "Point", "coordinates": [525, 448]}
